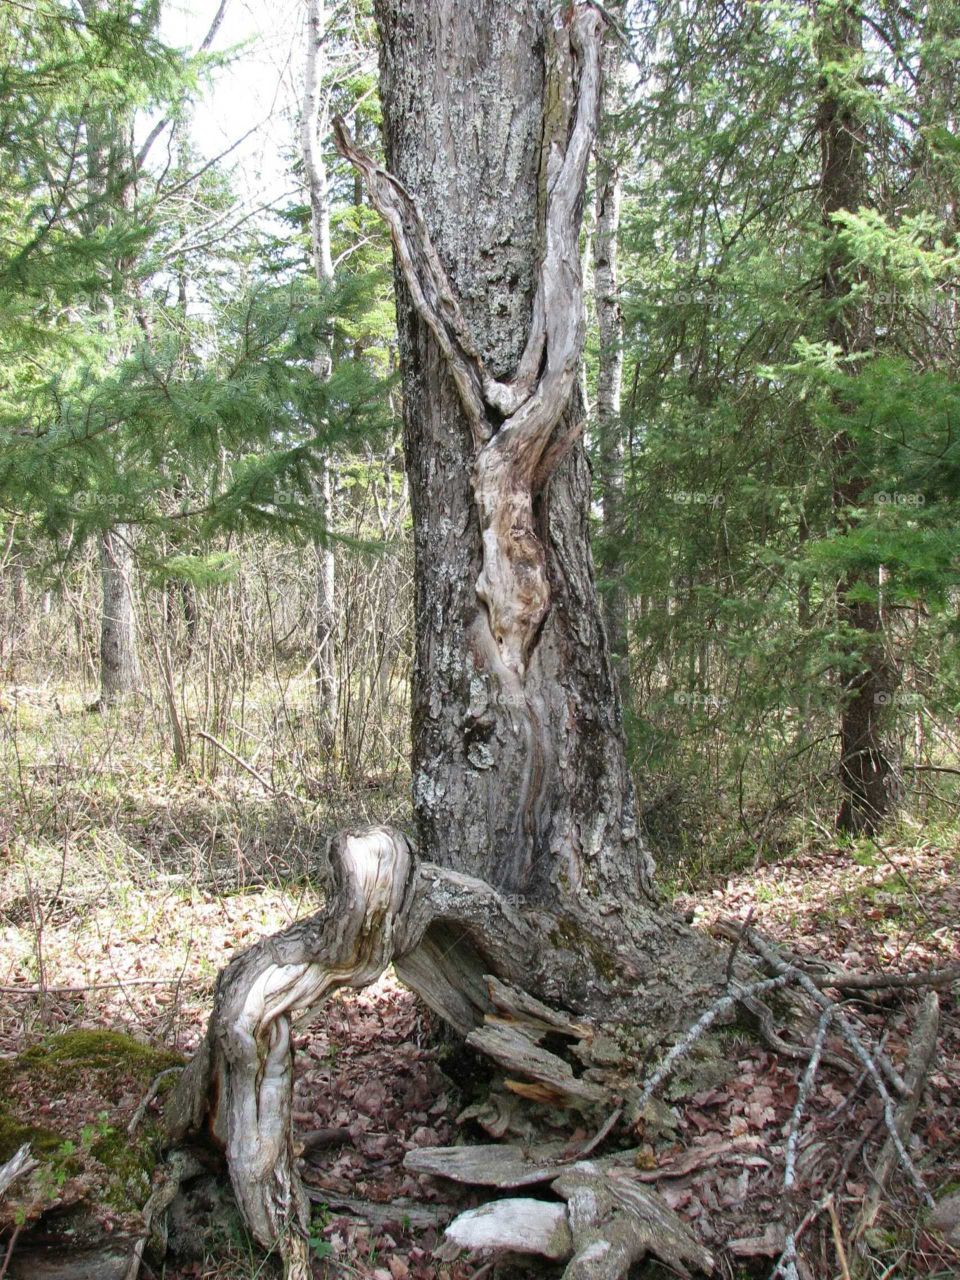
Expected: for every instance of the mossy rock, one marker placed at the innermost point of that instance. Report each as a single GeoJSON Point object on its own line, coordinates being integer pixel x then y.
{"type": "Point", "coordinates": [71, 1098]}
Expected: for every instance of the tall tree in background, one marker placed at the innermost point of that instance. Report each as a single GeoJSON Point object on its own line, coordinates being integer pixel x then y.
{"type": "Point", "coordinates": [314, 125]}
{"type": "Point", "coordinates": [610, 438]}
{"type": "Point", "coordinates": [867, 773]}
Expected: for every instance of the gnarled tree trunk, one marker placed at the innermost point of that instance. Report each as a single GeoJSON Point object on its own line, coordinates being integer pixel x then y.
{"type": "Point", "coordinates": [530, 867]}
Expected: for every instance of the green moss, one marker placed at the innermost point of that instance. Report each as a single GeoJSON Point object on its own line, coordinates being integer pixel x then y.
{"type": "Point", "coordinates": [100, 1067]}
{"type": "Point", "coordinates": [78, 1052]}
{"type": "Point", "coordinates": [13, 1134]}
{"type": "Point", "coordinates": [570, 936]}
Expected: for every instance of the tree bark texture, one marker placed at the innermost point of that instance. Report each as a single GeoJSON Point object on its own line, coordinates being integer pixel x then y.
{"type": "Point", "coordinates": [868, 774]}
{"type": "Point", "coordinates": [519, 773]}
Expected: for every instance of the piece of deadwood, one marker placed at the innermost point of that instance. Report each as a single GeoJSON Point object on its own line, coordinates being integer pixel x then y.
{"type": "Point", "coordinates": [69, 1262]}
{"type": "Point", "coordinates": [20, 1162]}
{"type": "Point", "coordinates": [522, 1007]}
{"type": "Point", "coordinates": [616, 1221]}
{"type": "Point", "coordinates": [419, 1216]}
{"type": "Point", "coordinates": [509, 1046]}
{"type": "Point", "coordinates": [491, 1164]}
{"type": "Point", "coordinates": [920, 1056]}
{"type": "Point", "coordinates": [510, 1226]}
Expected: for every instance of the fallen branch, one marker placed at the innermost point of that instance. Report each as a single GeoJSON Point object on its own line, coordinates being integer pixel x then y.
{"type": "Point", "coordinates": [149, 1096]}
{"type": "Point", "coordinates": [20, 1163]}
{"type": "Point", "coordinates": [920, 1059]}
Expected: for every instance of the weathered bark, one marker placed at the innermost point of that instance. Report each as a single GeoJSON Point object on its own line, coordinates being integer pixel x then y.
{"type": "Point", "coordinates": [119, 661]}
{"type": "Point", "coordinates": [447, 934]}
{"type": "Point", "coordinates": [868, 774]}
{"type": "Point", "coordinates": [519, 771]}
{"type": "Point", "coordinates": [609, 197]}
{"type": "Point", "coordinates": [314, 124]}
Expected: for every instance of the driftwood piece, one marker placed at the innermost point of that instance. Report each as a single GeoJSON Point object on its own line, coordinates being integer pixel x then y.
{"type": "Point", "coordinates": [616, 1221]}
{"type": "Point", "coordinates": [510, 1226]}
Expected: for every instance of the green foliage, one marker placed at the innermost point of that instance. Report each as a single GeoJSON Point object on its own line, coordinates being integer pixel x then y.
{"type": "Point", "coordinates": [153, 374]}
{"type": "Point", "coordinates": [741, 514]}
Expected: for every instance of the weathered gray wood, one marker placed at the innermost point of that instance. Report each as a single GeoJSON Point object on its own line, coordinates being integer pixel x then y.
{"type": "Point", "coordinates": [20, 1163]}
{"type": "Point", "coordinates": [491, 1165]}
{"type": "Point", "coordinates": [533, 1013]}
{"type": "Point", "coordinates": [419, 1216]}
{"type": "Point", "coordinates": [508, 1045]}
{"type": "Point", "coordinates": [240, 1083]}
{"type": "Point", "coordinates": [615, 1221]}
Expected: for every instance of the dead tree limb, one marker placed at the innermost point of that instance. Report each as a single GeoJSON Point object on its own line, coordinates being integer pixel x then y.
{"type": "Point", "coordinates": [920, 1059]}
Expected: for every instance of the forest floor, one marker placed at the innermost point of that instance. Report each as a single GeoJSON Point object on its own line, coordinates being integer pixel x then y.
{"type": "Point", "coordinates": [125, 886]}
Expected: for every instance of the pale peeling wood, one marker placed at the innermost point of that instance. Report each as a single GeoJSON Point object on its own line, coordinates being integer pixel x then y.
{"type": "Point", "coordinates": [508, 465]}
{"type": "Point", "coordinates": [510, 1226]}
{"type": "Point", "coordinates": [244, 1073]}
{"type": "Point", "coordinates": [491, 1164]}
{"type": "Point", "coordinates": [433, 294]}
{"type": "Point", "coordinates": [513, 581]}
{"type": "Point", "coordinates": [507, 1044]}
{"type": "Point", "coordinates": [20, 1163]}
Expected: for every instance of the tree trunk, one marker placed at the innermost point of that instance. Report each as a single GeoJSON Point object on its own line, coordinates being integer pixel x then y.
{"type": "Point", "coordinates": [868, 775]}
{"type": "Point", "coordinates": [313, 127]}
{"type": "Point", "coordinates": [119, 663]}
{"type": "Point", "coordinates": [518, 765]}
{"type": "Point", "coordinates": [610, 371]}
{"type": "Point", "coordinates": [529, 865]}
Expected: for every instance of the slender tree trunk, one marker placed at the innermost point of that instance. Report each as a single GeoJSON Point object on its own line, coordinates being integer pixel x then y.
{"type": "Point", "coordinates": [868, 775]}
{"type": "Point", "coordinates": [119, 664]}
{"type": "Point", "coordinates": [609, 197]}
{"type": "Point", "coordinates": [313, 128]}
